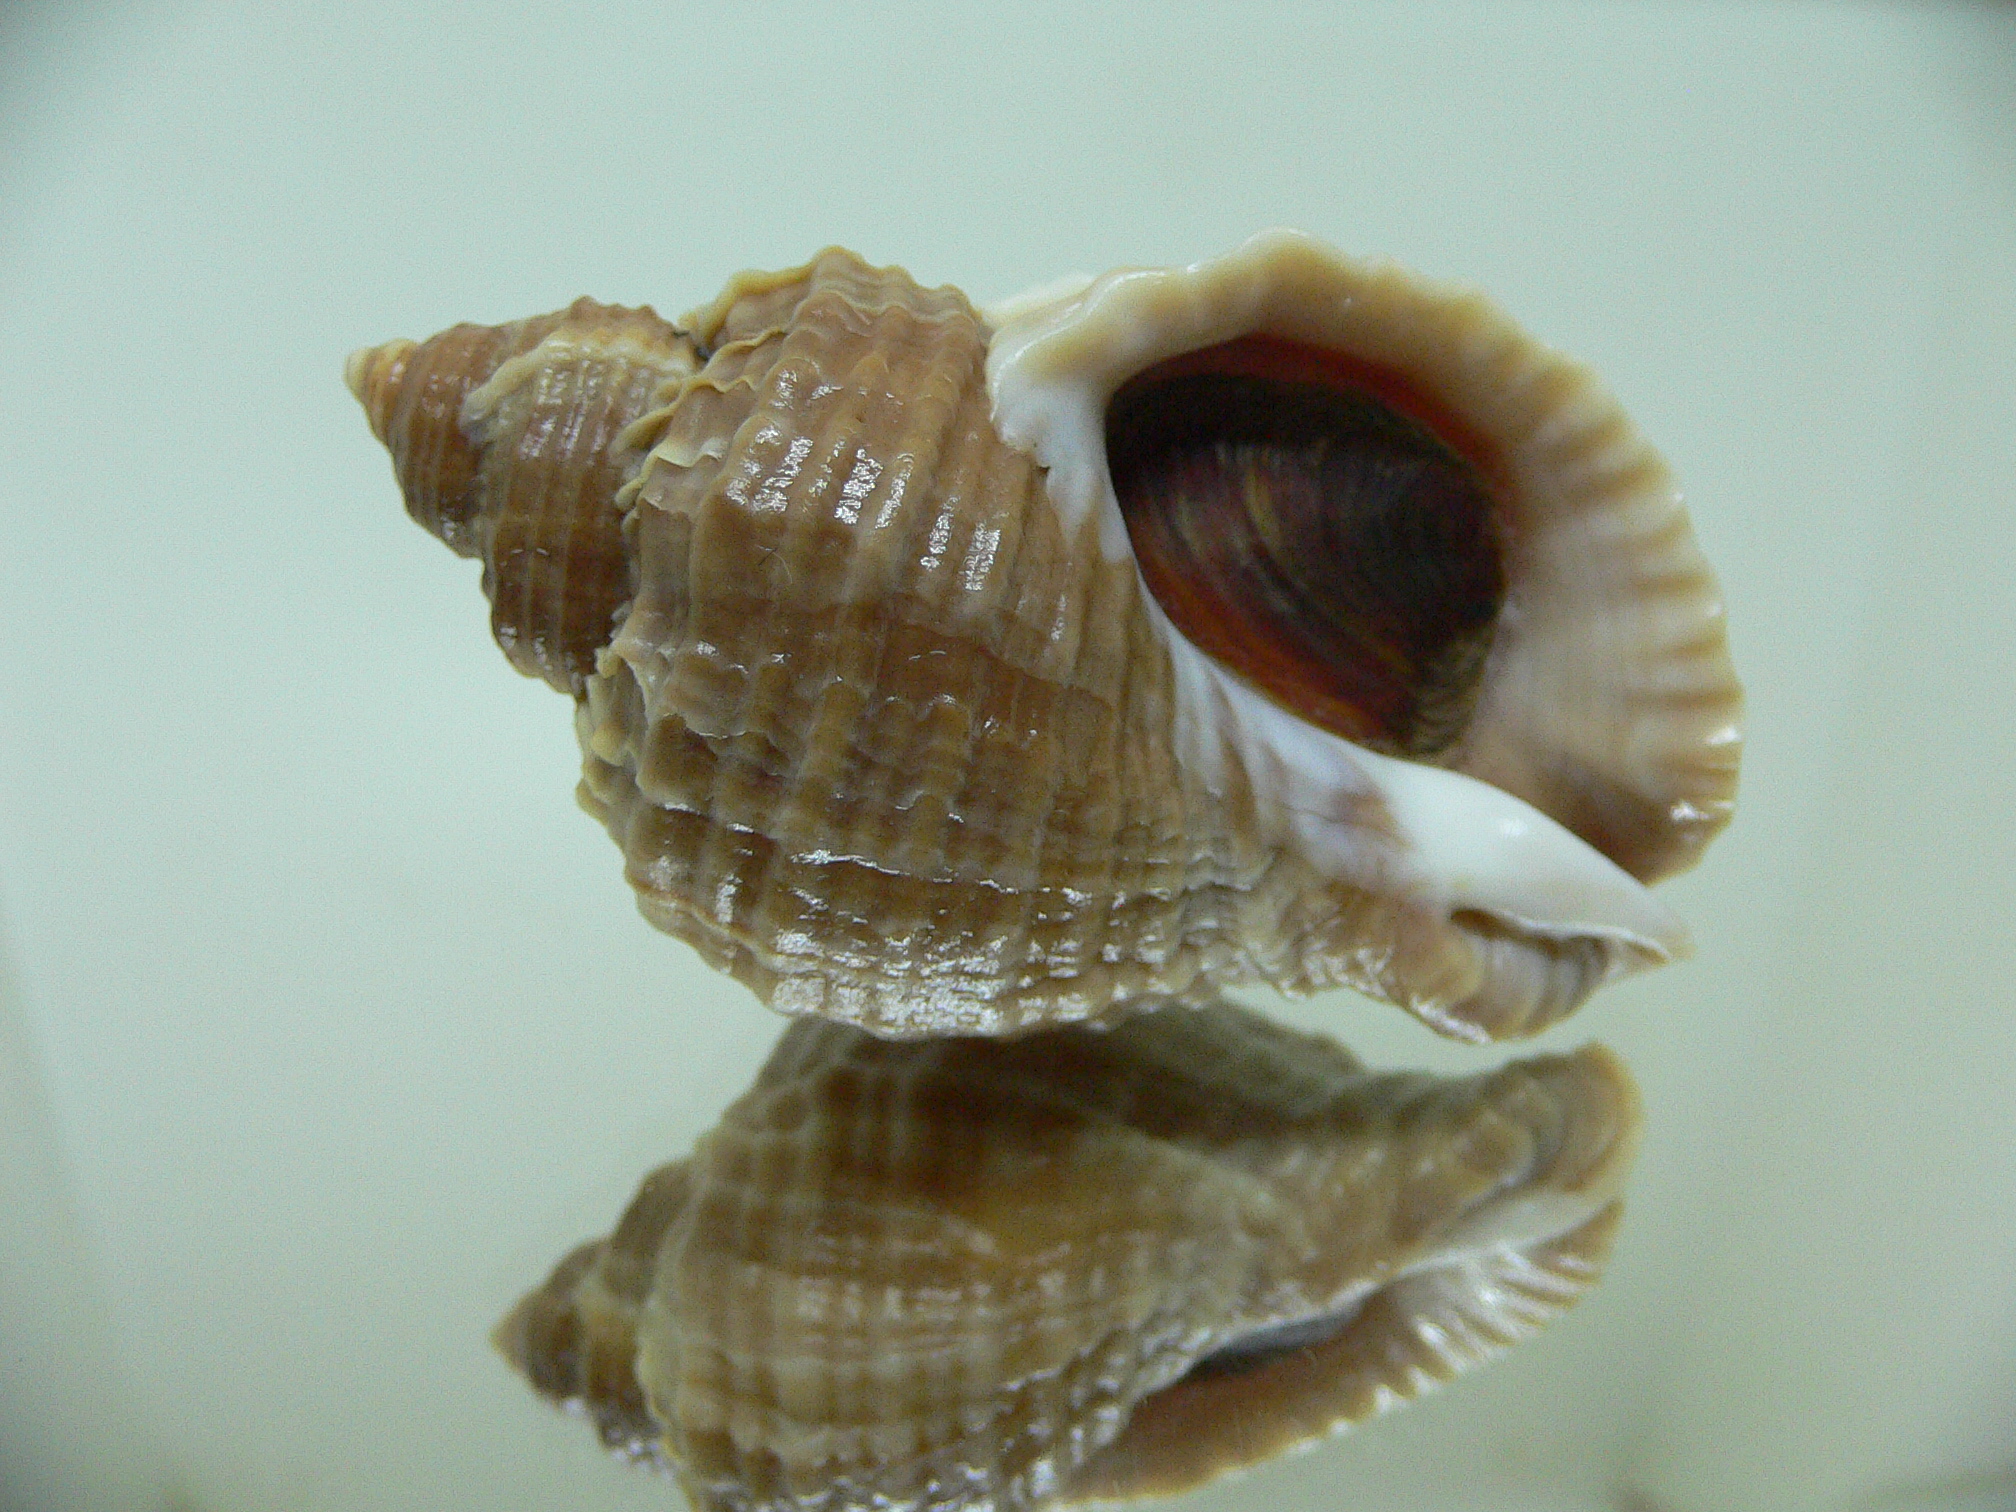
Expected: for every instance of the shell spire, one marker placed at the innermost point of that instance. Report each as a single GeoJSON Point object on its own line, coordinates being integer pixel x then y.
{"type": "Point", "coordinates": [506, 441]}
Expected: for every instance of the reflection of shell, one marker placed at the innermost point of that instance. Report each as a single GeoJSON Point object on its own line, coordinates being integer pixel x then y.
{"type": "Point", "coordinates": [983, 1274]}
{"type": "Point", "coordinates": [873, 697]}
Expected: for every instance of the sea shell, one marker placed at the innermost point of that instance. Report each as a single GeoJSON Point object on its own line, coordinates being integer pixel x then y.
{"type": "Point", "coordinates": [993, 1274]}
{"type": "Point", "coordinates": [875, 699]}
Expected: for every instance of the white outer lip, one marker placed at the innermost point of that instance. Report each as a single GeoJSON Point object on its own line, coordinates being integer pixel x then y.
{"type": "Point", "coordinates": [1462, 843]}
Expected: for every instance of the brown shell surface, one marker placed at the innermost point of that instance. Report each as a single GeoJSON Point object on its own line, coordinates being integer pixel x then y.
{"type": "Point", "coordinates": [969, 1273]}
{"type": "Point", "coordinates": [875, 732]}
{"type": "Point", "coordinates": [506, 440]}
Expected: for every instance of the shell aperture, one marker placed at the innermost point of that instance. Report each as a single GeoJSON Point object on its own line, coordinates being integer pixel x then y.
{"type": "Point", "coordinates": [890, 723]}
{"type": "Point", "coordinates": [1609, 702]}
{"type": "Point", "coordinates": [1297, 523]}
{"type": "Point", "coordinates": [973, 1273]}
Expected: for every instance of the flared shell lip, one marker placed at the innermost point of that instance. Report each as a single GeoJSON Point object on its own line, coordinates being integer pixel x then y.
{"type": "Point", "coordinates": [1058, 355]}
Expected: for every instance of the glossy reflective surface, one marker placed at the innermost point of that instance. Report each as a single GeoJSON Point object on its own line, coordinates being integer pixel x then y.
{"type": "Point", "coordinates": [1298, 521]}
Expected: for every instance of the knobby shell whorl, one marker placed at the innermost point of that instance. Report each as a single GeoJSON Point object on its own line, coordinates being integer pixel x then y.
{"type": "Point", "coordinates": [956, 1275]}
{"type": "Point", "coordinates": [507, 442]}
{"type": "Point", "coordinates": [873, 697]}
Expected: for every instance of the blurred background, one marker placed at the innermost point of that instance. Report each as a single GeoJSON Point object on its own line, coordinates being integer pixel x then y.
{"type": "Point", "coordinates": [326, 1021]}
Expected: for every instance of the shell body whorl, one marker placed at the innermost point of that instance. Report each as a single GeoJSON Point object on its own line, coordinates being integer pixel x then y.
{"type": "Point", "coordinates": [873, 696]}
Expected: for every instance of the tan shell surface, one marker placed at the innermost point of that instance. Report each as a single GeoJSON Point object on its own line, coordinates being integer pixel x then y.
{"type": "Point", "coordinates": [881, 725]}
{"type": "Point", "coordinates": [506, 442]}
{"type": "Point", "coordinates": [970, 1274]}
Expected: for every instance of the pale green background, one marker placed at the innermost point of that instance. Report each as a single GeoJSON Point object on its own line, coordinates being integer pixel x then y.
{"type": "Point", "coordinates": [326, 1022]}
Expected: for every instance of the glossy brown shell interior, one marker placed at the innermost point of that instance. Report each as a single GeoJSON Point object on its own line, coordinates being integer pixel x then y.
{"type": "Point", "coordinates": [1322, 527]}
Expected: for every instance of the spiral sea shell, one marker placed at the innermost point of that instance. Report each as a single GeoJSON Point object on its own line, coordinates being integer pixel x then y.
{"type": "Point", "coordinates": [851, 584]}
{"type": "Point", "coordinates": [973, 1274]}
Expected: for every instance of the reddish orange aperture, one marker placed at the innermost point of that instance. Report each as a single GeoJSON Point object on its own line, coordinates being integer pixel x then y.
{"type": "Point", "coordinates": [1321, 526]}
